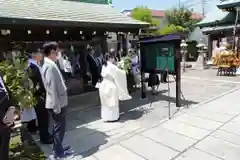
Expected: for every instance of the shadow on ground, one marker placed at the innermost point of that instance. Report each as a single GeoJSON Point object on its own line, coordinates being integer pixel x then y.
{"type": "Point", "coordinates": [83, 140]}
{"type": "Point", "coordinates": [127, 108]}
{"type": "Point", "coordinates": [87, 134]}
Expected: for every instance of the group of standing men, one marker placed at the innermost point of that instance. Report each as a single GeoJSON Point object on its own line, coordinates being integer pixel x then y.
{"type": "Point", "coordinates": [51, 95]}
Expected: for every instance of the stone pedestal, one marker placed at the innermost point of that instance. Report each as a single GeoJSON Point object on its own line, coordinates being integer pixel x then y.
{"type": "Point", "coordinates": [183, 66]}
{"type": "Point", "coordinates": [200, 64]}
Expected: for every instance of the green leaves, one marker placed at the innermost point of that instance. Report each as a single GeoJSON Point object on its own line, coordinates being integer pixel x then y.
{"type": "Point", "coordinates": [179, 20]}
{"type": "Point", "coordinates": [181, 17]}
{"type": "Point", "coordinates": [171, 29]}
{"type": "Point", "coordinates": [18, 82]}
{"type": "Point", "coordinates": [144, 14]}
{"type": "Point", "coordinates": [127, 64]}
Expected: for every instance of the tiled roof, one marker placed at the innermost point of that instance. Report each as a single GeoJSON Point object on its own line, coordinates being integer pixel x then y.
{"type": "Point", "coordinates": [215, 15]}
{"type": "Point", "coordinates": [158, 13]}
{"type": "Point", "coordinates": [228, 4]}
{"type": "Point", "coordinates": [66, 11]}
{"type": "Point", "coordinates": [161, 13]}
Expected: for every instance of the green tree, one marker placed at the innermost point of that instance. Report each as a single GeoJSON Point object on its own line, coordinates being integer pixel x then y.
{"type": "Point", "coordinates": [145, 15]}
{"type": "Point", "coordinates": [181, 17]}
{"type": "Point", "coordinates": [171, 29]}
{"type": "Point", "coordinates": [18, 82]}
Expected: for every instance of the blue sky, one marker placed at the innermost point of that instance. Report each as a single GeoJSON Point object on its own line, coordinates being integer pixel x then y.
{"type": "Point", "coordinates": [163, 4]}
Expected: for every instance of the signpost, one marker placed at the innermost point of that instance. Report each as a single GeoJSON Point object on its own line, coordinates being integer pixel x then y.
{"type": "Point", "coordinates": [161, 54]}
{"type": "Point", "coordinates": [158, 56]}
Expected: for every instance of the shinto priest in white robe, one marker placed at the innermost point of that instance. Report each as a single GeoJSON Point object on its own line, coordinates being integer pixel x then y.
{"type": "Point", "coordinates": [112, 89]}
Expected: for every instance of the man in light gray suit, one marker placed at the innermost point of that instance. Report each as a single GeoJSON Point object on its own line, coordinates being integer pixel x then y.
{"type": "Point", "coordinates": [56, 98]}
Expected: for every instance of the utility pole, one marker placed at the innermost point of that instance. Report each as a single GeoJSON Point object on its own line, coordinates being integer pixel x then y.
{"type": "Point", "coordinates": [203, 7]}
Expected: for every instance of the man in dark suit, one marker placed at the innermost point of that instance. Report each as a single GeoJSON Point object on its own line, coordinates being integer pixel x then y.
{"type": "Point", "coordinates": [5, 104]}
{"type": "Point", "coordinates": [93, 66]}
{"type": "Point", "coordinates": [40, 93]}
{"type": "Point", "coordinates": [164, 77]}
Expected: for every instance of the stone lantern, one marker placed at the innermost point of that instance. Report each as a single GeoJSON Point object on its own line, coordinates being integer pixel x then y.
{"type": "Point", "coordinates": [183, 46]}
{"type": "Point", "coordinates": [201, 61]}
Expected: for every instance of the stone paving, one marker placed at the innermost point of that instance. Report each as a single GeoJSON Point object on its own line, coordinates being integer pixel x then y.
{"type": "Point", "coordinates": [209, 74]}
{"type": "Point", "coordinates": [204, 130]}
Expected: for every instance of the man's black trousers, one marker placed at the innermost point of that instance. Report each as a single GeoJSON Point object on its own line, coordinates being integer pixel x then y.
{"type": "Point", "coordinates": [4, 143]}
{"type": "Point", "coordinates": [43, 120]}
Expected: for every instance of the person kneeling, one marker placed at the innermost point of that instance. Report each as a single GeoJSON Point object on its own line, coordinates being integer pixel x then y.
{"type": "Point", "coordinates": [153, 81]}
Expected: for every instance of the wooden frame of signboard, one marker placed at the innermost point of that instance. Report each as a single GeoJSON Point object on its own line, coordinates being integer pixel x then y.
{"type": "Point", "coordinates": [153, 59]}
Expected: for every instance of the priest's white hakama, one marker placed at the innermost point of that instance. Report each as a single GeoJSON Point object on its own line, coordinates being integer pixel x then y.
{"type": "Point", "coordinates": [112, 89]}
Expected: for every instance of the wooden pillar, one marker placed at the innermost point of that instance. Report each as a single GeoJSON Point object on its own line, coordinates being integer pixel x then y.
{"type": "Point", "coordinates": [210, 46]}
{"type": "Point", "coordinates": [238, 45]}
{"type": "Point", "coordinates": [178, 76]}
{"type": "Point", "coordinates": [124, 44]}
{"type": "Point", "coordinates": [119, 42]}
{"type": "Point", "coordinates": [219, 40]}
{"type": "Point", "coordinates": [104, 45]}
{"type": "Point", "coordinates": [84, 65]}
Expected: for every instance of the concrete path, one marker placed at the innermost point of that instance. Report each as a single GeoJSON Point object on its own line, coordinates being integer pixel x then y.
{"type": "Point", "coordinates": [209, 131]}
{"type": "Point", "coordinates": [206, 130]}
{"type": "Point", "coordinates": [209, 74]}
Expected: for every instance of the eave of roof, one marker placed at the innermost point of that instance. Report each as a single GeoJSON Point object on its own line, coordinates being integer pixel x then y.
{"type": "Point", "coordinates": [162, 38]}
{"type": "Point", "coordinates": [219, 28]}
{"type": "Point", "coordinates": [215, 16]}
{"type": "Point", "coordinates": [67, 12]}
{"type": "Point", "coordinates": [229, 4]}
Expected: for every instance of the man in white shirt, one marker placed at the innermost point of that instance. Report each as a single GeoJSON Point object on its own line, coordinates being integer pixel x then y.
{"type": "Point", "coordinates": [136, 69]}
{"type": "Point", "coordinates": [29, 115]}
{"type": "Point", "coordinates": [56, 98]}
